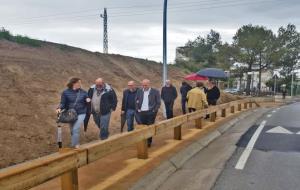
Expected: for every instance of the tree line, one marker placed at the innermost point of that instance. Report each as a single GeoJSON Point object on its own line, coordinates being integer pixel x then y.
{"type": "Point", "coordinates": [257, 47]}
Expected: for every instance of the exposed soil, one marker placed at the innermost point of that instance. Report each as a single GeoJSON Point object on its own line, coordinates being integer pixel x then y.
{"type": "Point", "coordinates": [32, 79]}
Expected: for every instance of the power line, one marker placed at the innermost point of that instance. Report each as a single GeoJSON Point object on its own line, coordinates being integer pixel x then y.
{"type": "Point", "coordinates": [181, 9]}
{"type": "Point", "coordinates": [172, 9]}
{"type": "Point", "coordinates": [156, 6]}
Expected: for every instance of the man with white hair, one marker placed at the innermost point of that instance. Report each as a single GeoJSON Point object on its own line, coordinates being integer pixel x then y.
{"type": "Point", "coordinates": [147, 105]}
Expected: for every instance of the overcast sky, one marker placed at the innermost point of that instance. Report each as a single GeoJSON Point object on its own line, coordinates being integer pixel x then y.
{"type": "Point", "coordinates": [135, 26]}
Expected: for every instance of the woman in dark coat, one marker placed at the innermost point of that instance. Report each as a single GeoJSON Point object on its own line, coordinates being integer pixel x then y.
{"type": "Point", "coordinates": [77, 98]}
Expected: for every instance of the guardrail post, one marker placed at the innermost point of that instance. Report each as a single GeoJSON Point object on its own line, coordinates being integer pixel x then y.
{"type": "Point", "coordinates": [239, 107]}
{"type": "Point", "coordinates": [213, 116]}
{"type": "Point", "coordinates": [232, 109]}
{"type": "Point", "coordinates": [199, 123]}
{"type": "Point", "coordinates": [69, 180]}
{"type": "Point", "coordinates": [250, 105]}
{"type": "Point", "coordinates": [177, 133]}
{"type": "Point", "coordinates": [142, 149]}
{"type": "Point", "coordinates": [245, 105]}
{"type": "Point", "coordinates": [223, 112]}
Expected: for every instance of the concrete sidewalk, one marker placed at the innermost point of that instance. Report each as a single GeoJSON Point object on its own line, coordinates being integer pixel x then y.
{"type": "Point", "coordinates": [202, 170]}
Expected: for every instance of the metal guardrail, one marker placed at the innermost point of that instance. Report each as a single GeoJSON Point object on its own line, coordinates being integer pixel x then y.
{"type": "Point", "coordinates": [67, 161]}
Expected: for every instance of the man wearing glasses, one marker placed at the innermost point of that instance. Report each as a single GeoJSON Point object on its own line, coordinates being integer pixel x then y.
{"type": "Point", "coordinates": [128, 105]}
{"type": "Point", "coordinates": [147, 105]}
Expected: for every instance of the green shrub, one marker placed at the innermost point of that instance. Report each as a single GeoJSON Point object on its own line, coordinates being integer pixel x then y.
{"type": "Point", "coordinates": [5, 34]}
{"type": "Point", "coordinates": [27, 41]}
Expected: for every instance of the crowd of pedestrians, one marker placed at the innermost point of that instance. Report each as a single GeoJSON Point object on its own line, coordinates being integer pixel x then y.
{"type": "Point", "coordinates": [140, 104]}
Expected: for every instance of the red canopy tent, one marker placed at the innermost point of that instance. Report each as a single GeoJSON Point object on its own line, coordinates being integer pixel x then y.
{"type": "Point", "coordinates": [195, 77]}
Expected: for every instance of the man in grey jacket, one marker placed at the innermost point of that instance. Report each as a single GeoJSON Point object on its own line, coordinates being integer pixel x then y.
{"type": "Point", "coordinates": [147, 105]}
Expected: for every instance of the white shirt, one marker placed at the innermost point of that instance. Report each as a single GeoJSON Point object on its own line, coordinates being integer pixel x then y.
{"type": "Point", "coordinates": [145, 104]}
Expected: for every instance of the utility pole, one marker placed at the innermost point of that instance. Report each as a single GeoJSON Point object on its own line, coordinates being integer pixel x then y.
{"type": "Point", "coordinates": [105, 35]}
{"type": "Point", "coordinates": [165, 73]}
{"type": "Point", "coordinates": [292, 84]}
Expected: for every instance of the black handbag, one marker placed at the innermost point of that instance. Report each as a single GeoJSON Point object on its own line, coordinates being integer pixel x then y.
{"type": "Point", "coordinates": [68, 115]}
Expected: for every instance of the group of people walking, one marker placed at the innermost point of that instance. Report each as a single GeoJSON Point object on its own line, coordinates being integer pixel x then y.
{"type": "Point", "coordinates": [199, 97]}
{"type": "Point", "coordinates": [140, 104]}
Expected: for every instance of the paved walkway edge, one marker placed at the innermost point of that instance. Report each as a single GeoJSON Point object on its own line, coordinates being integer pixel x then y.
{"type": "Point", "coordinates": [160, 174]}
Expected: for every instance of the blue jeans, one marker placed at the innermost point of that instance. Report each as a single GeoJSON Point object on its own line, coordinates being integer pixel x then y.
{"type": "Point", "coordinates": [130, 119]}
{"type": "Point", "coordinates": [75, 130]}
{"type": "Point", "coordinates": [102, 122]}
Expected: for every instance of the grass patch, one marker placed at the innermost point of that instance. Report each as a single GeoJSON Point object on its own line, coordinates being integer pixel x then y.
{"type": "Point", "coordinates": [6, 35]}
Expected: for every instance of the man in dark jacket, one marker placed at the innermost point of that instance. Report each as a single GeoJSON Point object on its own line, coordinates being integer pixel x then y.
{"type": "Point", "coordinates": [184, 89]}
{"type": "Point", "coordinates": [147, 105]}
{"type": "Point", "coordinates": [103, 102]}
{"type": "Point", "coordinates": [128, 104]}
{"type": "Point", "coordinates": [212, 93]}
{"type": "Point", "coordinates": [168, 95]}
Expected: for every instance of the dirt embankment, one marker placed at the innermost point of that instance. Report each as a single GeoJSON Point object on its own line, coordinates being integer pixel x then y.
{"type": "Point", "coordinates": [32, 79]}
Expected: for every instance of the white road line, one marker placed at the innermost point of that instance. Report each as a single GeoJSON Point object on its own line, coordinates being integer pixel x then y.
{"type": "Point", "coordinates": [269, 115]}
{"type": "Point", "coordinates": [274, 111]}
{"type": "Point", "coordinates": [244, 157]}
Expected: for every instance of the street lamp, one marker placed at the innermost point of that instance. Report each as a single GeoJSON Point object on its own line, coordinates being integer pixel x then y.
{"type": "Point", "coordinates": [165, 42]}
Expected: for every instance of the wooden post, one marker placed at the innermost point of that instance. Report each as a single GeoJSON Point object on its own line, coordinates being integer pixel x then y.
{"type": "Point", "coordinates": [199, 123]}
{"type": "Point", "coordinates": [223, 112]}
{"type": "Point", "coordinates": [177, 133]}
{"type": "Point", "coordinates": [213, 116]}
{"type": "Point", "coordinates": [245, 105]}
{"type": "Point", "coordinates": [232, 109]}
{"type": "Point", "coordinates": [239, 107]}
{"type": "Point", "coordinates": [69, 180]}
{"type": "Point", "coordinates": [250, 104]}
{"type": "Point", "coordinates": [142, 149]}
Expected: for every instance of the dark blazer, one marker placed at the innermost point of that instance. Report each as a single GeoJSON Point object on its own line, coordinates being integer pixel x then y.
{"type": "Point", "coordinates": [184, 89]}
{"type": "Point", "coordinates": [168, 94]}
{"type": "Point", "coordinates": [124, 100]}
{"type": "Point", "coordinates": [154, 100]}
{"type": "Point", "coordinates": [213, 93]}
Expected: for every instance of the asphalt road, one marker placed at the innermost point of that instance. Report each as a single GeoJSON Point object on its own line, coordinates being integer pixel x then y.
{"type": "Point", "coordinates": [268, 154]}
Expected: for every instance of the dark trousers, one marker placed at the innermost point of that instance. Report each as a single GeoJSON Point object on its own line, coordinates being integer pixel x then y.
{"type": "Point", "coordinates": [147, 118]}
{"type": "Point", "coordinates": [192, 110]}
{"type": "Point", "coordinates": [211, 102]}
{"type": "Point", "coordinates": [169, 109]}
{"type": "Point", "coordinates": [183, 106]}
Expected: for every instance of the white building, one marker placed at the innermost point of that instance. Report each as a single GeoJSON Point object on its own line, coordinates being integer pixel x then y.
{"type": "Point", "coordinates": [180, 54]}
{"type": "Point", "coordinates": [240, 83]}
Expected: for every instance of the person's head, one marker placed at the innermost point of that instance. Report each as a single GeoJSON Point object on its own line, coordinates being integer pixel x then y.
{"type": "Point", "coordinates": [74, 83]}
{"type": "Point", "coordinates": [99, 82]}
{"type": "Point", "coordinates": [131, 85]}
{"type": "Point", "coordinates": [199, 84]}
{"type": "Point", "coordinates": [168, 83]}
{"type": "Point", "coordinates": [212, 83]}
{"type": "Point", "coordinates": [183, 83]}
{"type": "Point", "coordinates": [146, 84]}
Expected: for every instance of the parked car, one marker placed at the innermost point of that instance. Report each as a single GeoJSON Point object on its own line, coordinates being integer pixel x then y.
{"type": "Point", "coordinates": [232, 90]}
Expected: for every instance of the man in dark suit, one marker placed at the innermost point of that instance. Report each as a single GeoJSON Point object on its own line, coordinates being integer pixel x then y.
{"type": "Point", "coordinates": [147, 105]}
{"type": "Point", "coordinates": [169, 95]}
